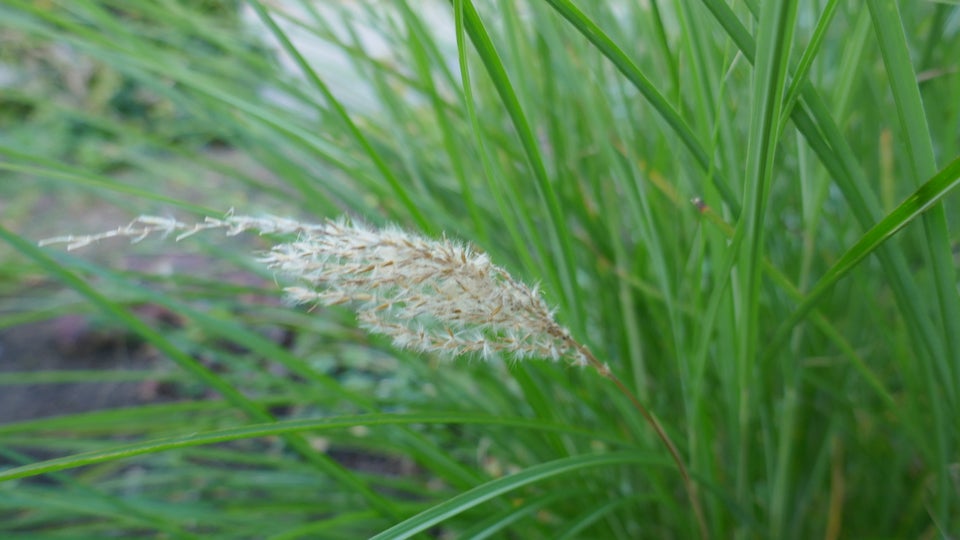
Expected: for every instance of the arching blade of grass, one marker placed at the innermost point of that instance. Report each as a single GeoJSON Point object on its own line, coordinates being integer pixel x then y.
{"type": "Point", "coordinates": [595, 513]}
{"type": "Point", "coordinates": [327, 527]}
{"type": "Point", "coordinates": [144, 420]}
{"type": "Point", "coordinates": [500, 486]}
{"type": "Point", "coordinates": [516, 218]}
{"type": "Point", "coordinates": [488, 174]}
{"type": "Point", "coordinates": [93, 182]}
{"type": "Point", "coordinates": [89, 375]}
{"type": "Point", "coordinates": [427, 57]}
{"type": "Point", "coordinates": [503, 520]}
{"type": "Point", "coordinates": [919, 150]}
{"type": "Point", "coordinates": [518, 229]}
{"type": "Point", "coordinates": [286, 427]}
{"type": "Point", "coordinates": [913, 207]}
{"type": "Point", "coordinates": [945, 377]}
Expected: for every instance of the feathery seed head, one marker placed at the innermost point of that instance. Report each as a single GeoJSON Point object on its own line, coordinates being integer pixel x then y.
{"type": "Point", "coordinates": [427, 295]}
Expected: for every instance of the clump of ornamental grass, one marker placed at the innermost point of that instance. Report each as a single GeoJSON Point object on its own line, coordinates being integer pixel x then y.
{"type": "Point", "coordinates": [433, 296]}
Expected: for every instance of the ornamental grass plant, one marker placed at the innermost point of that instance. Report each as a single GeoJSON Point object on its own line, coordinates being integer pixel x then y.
{"type": "Point", "coordinates": [739, 214]}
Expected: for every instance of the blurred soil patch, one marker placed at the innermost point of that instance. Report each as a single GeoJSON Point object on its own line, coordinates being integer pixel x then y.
{"type": "Point", "coordinates": [134, 372]}
{"type": "Point", "coordinates": [70, 343]}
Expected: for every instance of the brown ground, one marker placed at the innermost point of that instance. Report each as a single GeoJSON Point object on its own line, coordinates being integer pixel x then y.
{"type": "Point", "coordinates": [70, 343]}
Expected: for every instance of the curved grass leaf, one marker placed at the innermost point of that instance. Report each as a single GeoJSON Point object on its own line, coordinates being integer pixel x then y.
{"type": "Point", "coordinates": [283, 428]}
{"type": "Point", "coordinates": [94, 182]}
{"type": "Point", "coordinates": [499, 521]}
{"type": "Point", "coordinates": [495, 488]}
{"type": "Point", "coordinates": [929, 194]}
{"type": "Point", "coordinates": [920, 154]}
{"type": "Point", "coordinates": [799, 76]}
{"type": "Point", "coordinates": [775, 40]}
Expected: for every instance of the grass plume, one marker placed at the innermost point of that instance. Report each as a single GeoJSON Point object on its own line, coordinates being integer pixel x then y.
{"type": "Point", "coordinates": [432, 296]}
{"type": "Point", "coordinates": [436, 296]}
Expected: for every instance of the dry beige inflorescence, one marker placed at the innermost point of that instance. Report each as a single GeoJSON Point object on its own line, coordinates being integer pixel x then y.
{"type": "Point", "coordinates": [428, 295]}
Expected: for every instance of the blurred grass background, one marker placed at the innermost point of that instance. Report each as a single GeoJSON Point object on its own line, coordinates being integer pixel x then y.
{"type": "Point", "coordinates": [568, 141]}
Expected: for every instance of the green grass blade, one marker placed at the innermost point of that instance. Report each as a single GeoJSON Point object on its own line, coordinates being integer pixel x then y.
{"type": "Point", "coordinates": [913, 207]}
{"type": "Point", "coordinates": [563, 271]}
{"type": "Point", "coordinates": [575, 529]}
{"type": "Point", "coordinates": [503, 520]}
{"type": "Point", "coordinates": [283, 427]}
{"type": "Point", "coordinates": [604, 44]}
{"type": "Point", "coordinates": [770, 69]}
{"type": "Point", "coordinates": [500, 486]}
{"type": "Point", "coordinates": [800, 74]}
{"type": "Point", "coordinates": [919, 149]}
{"type": "Point", "coordinates": [425, 61]}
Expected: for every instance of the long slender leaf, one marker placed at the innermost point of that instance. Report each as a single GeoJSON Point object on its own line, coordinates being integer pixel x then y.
{"type": "Point", "coordinates": [929, 194]}
{"type": "Point", "coordinates": [269, 429]}
{"type": "Point", "coordinates": [495, 488]}
{"type": "Point", "coordinates": [603, 43]}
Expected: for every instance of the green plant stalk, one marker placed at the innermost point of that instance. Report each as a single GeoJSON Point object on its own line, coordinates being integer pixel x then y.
{"type": "Point", "coordinates": [774, 41]}
{"type": "Point", "coordinates": [469, 103]}
{"type": "Point", "coordinates": [532, 392]}
{"type": "Point", "coordinates": [591, 31]}
{"type": "Point", "coordinates": [813, 120]}
{"type": "Point", "coordinates": [912, 117]}
{"type": "Point", "coordinates": [563, 276]}
{"type": "Point", "coordinates": [800, 74]}
{"type": "Point", "coordinates": [281, 427]}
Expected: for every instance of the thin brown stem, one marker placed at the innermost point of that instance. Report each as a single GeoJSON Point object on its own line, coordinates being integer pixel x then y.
{"type": "Point", "coordinates": [691, 488]}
